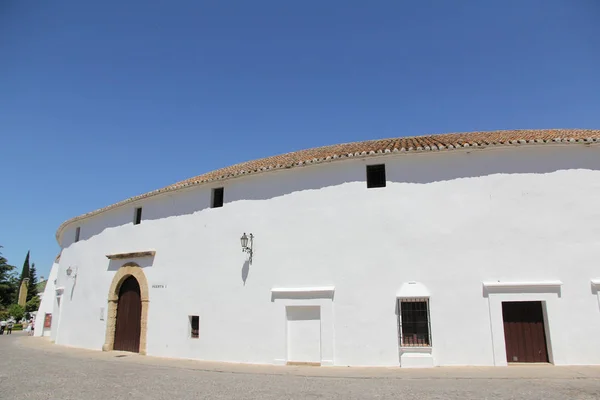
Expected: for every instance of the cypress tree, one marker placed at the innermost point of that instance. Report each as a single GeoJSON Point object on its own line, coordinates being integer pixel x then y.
{"type": "Point", "coordinates": [32, 290]}
{"type": "Point", "coordinates": [25, 270]}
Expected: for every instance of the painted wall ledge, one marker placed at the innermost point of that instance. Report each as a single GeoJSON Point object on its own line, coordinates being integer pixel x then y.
{"type": "Point", "coordinates": [596, 282]}
{"type": "Point", "coordinates": [137, 254]}
{"type": "Point", "coordinates": [522, 285]}
{"type": "Point", "coordinates": [416, 349]}
{"type": "Point", "coordinates": [411, 290]}
{"type": "Point", "coordinates": [316, 289]}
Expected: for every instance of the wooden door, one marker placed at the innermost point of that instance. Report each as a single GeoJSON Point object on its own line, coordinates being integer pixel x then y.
{"type": "Point", "coordinates": [524, 332]}
{"type": "Point", "coordinates": [129, 315]}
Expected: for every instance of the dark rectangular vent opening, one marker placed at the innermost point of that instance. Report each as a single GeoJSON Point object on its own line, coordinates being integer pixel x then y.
{"type": "Point", "coordinates": [138, 216]}
{"type": "Point", "coordinates": [376, 176]}
{"type": "Point", "coordinates": [194, 326]}
{"type": "Point", "coordinates": [217, 198]}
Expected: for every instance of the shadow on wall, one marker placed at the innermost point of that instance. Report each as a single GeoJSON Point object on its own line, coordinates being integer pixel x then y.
{"type": "Point", "coordinates": [72, 289]}
{"type": "Point", "coordinates": [420, 168]}
{"type": "Point", "coordinates": [431, 167]}
{"type": "Point", "coordinates": [245, 271]}
{"type": "Point", "coordinates": [326, 294]}
{"type": "Point", "coordinates": [595, 292]}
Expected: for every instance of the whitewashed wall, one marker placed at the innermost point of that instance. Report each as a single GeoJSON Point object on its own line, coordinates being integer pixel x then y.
{"type": "Point", "coordinates": [47, 303]}
{"type": "Point", "coordinates": [449, 221]}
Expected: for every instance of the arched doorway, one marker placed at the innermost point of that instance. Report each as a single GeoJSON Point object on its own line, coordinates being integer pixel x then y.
{"type": "Point", "coordinates": [129, 314]}
{"type": "Point", "coordinates": [129, 283]}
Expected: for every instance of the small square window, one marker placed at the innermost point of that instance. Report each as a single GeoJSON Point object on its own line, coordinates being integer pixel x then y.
{"type": "Point", "coordinates": [194, 326]}
{"type": "Point", "coordinates": [414, 322]}
{"type": "Point", "coordinates": [77, 233]}
{"type": "Point", "coordinates": [376, 176]}
{"type": "Point", "coordinates": [217, 198]}
{"type": "Point", "coordinates": [137, 219]}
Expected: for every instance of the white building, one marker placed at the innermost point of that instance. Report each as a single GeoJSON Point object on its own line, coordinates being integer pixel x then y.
{"type": "Point", "coordinates": [460, 249]}
{"type": "Point", "coordinates": [48, 298]}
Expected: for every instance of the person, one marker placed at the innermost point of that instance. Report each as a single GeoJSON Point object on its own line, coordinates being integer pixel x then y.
{"type": "Point", "coordinates": [9, 327]}
{"type": "Point", "coordinates": [2, 327]}
{"type": "Point", "coordinates": [32, 326]}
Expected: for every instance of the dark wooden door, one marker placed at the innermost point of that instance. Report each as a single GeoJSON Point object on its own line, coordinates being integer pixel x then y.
{"type": "Point", "coordinates": [129, 314]}
{"type": "Point", "coordinates": [524, 332]}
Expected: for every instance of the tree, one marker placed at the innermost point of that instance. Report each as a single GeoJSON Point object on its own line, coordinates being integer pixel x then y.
{"type": "Point", "coordinates": [8, 282]}
{"type": "Point", "coordinates": [25, 270]}
{"type": "Point", "coordinates": [32, 290]}
{"type": "Point", "coordinates": [33, 304]}
{"type": "Point", "coordinates": [16, 311]}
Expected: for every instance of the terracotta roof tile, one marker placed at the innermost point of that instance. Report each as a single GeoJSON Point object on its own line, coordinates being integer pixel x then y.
{"type": "Point", "coordinates": [373, 147]}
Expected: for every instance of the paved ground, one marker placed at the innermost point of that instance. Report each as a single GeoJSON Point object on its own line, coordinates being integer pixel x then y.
{"type": "Point", "coordinates": [33, 368]}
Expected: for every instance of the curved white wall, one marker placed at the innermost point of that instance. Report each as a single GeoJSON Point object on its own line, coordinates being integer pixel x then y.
{"type": "Point", "coordinates": [47, 303]}
{"type": "Point", "coordinates": [449, 221]}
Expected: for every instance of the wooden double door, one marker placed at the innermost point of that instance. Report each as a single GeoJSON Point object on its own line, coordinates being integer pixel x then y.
{"type": "Point", "coordinates": [129, 317]}
{"type": "Point", "coordinates": [524, 331]}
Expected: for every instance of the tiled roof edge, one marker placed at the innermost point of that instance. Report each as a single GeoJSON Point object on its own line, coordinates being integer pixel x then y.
{"type": "Point", "coordinates": [379, 147]}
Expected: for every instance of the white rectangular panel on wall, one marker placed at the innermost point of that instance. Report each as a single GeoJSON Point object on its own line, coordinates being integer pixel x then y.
{"type": "Point", "coordinates": [304, 334]}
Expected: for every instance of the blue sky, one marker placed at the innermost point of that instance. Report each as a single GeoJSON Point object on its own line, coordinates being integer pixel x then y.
{"type": "Point", "coordinates": [103, 100]}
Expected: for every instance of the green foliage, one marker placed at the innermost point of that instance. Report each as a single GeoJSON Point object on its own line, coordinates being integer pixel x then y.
{"type": "Point", "coordinates": [32, 291]}
{"type": "Point", "coordinates": [4, 315]}
{"type": "Point", "coordinates": [8, 283]}
{"type": "Point", "coordinates": [41, 285]}
{"type": "Point", "coordinates": [33, 304]}
{"type": "Point", "coordinates": [17, 327]}
{"type": "Point", "coordinates": [16, 311]}
{"type": "Point", "coordinates": [25, 270]}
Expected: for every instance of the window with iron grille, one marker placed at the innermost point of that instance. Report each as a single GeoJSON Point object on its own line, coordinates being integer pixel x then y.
{"type": "Point", "coordinates": [376, 176]}
{"type": "Point", "coordinates": [415, 329]}
{"type": "Point", "coordinates": [194, 326]}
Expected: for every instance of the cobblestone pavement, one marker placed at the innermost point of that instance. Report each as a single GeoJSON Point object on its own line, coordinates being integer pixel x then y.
{"type": "Point", "coordinates": [33, 368]}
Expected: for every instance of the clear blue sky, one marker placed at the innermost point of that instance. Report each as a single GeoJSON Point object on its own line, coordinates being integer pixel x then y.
{"type": "Point", "coordinates": [103, 100]}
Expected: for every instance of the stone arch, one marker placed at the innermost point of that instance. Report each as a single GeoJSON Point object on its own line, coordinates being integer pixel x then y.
{"type": "Point", "coordinates": [127, 270]}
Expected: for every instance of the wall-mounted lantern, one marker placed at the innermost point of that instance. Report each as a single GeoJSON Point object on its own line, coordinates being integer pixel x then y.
{"type": "Point", "coordinates": [247, 242]}
{"type": "Point", "coordinates": [71, 273]}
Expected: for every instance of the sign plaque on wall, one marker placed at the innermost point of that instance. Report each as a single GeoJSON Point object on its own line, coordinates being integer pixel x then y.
{"type": "Point", "coordinates": [159, 286]}
{"type": "Point", "coordinates": [48, 321]}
